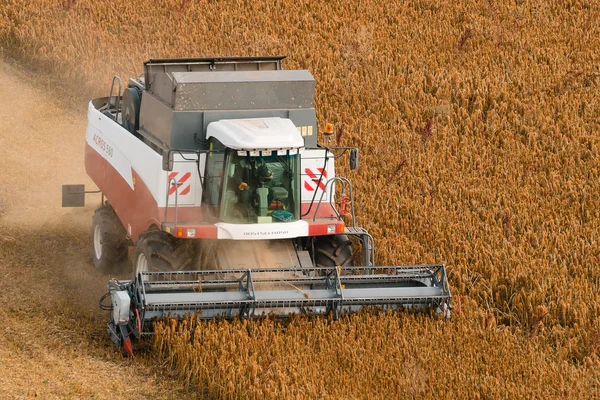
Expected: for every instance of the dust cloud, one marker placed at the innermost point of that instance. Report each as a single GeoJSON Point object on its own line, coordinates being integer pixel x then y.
{"type": "Point", "coordinates": [42, 148]}
{"type": "Point", "coordinates": [54, 341]}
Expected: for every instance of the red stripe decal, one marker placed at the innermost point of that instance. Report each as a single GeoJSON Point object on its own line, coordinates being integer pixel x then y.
{"type": "Point", "coordinates": [186, 190]}
{"type": "Point", "coordinates": [310, 173]}
{"type": "Point", "coordinates": [185, 177]}
{"type": "Point", "coordinates": [315, 179]}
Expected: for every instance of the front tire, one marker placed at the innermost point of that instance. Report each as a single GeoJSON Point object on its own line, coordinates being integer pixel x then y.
{"type": "Point", "coordinates": [109, 241]}
{"type": "Point", "coordinates": [333, 251]}
{"type": "Point", "coordinates": [157, 251]}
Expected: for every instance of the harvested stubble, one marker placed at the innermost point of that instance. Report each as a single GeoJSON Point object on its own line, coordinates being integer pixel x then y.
{"type": "Point", "coordinates": [478, 123]}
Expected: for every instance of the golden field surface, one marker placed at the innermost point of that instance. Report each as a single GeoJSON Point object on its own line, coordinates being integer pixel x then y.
{"type": "Point", "coordinates": [478, 124]}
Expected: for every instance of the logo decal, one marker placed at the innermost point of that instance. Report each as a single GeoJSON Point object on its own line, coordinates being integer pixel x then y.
{"type": "Point", "coordinates": [102, 145]}
{"type": "Point", "coordinates": [183, 188]}
{"type": "Point", "coordinates": [314, 179]}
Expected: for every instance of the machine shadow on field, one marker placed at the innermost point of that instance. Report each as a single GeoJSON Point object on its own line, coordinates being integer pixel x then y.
{"type": "Point", "coordinates": [53, 341]}
{"type": "Point", "coordinates": [48, 271]}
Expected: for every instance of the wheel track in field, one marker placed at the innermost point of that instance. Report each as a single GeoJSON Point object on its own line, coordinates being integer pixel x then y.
{"type": "Point", "coordinates": [53, 342]}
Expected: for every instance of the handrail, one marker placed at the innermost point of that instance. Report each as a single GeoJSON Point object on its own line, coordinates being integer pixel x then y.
{"type": "Point", "coordinates": [330, 182]}
{"type": "Point", "coordinates": [172, 182]}
{"type": "Point", "coordinates": [110, 96]}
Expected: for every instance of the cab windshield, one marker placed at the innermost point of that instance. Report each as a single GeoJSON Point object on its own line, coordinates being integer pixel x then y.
{"type": "Point", "coordinates": [260, 189]}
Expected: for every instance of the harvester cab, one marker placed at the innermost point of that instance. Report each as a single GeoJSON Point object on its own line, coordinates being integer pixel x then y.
{"type": "Point", "coordinates": [211, 169]}
{"type": "Point", "coordinates": [258, 186]}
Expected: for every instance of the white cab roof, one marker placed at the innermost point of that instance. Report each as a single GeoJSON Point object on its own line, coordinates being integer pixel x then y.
{"type": "Point", "coordinates": [256, 133]}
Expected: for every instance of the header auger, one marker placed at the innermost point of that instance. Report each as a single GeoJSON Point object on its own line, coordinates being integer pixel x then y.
{"type": "Point", "coordinates": [210, 167]}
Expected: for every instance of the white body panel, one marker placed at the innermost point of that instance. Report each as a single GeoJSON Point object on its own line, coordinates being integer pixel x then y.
{"type": "Point", "coordinates": [280, 230]}
{"type": "Point", "coordinates": [185, 172]}
{"type": "Point", "coordinates": [311, 165]}
{"type": "Point", "coordinates": [109, 139]}
{"type": "Point", "coordinates": [120, 303]}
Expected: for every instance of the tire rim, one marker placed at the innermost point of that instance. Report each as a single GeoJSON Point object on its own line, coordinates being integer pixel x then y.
{"type": "Point", "coordinates": [97, 242]}
{"type": "Point", "coordinates": [142, 264]}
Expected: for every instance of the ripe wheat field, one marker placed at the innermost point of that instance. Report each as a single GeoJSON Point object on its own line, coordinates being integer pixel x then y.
{"type": "Point", "coordinates": [478, 124]}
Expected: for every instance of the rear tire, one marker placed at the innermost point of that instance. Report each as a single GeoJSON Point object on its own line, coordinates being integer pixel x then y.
{"type": "Point", "coordinates": [333, 251]}
{"type": "Point", "coordinates": [109, 241]}
{"type": "Point", "coordinates": [157, 251]}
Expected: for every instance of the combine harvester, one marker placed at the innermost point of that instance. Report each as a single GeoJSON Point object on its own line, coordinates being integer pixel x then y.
{"type": "Point", "coordinates": [210, 167]}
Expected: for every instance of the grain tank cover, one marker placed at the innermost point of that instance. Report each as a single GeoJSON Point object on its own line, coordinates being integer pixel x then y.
{"type": "Point", "coordinates": [236, 90]}
{"type": "Point", "coordinates": [181, 97]}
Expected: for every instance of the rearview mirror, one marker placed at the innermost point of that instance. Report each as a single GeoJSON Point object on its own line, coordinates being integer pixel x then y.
{"type": "Point", "coordinates": [354, 159]}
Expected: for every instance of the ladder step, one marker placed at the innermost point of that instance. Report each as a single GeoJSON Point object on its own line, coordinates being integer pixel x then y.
{"type": "Point", "coordinates": [354, 231]}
